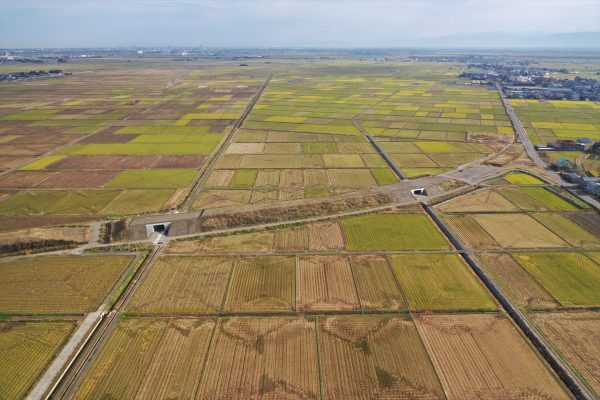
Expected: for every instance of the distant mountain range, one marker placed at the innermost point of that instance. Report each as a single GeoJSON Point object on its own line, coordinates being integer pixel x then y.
{"type": "Point", "coordinates": [503, 39]}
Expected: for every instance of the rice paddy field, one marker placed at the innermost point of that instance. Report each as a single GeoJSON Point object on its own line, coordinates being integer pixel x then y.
{"type": "Point", "coordinates": [26, 348]}
{"type": "Point", "coordinates": [306, 136]}
{"type": "Point", "coordinates": [115, 141]}
{"type": "Point", "coordinates": [332, 357]}
{"type": "Point", "coordinates": [368, 304]}
{"type": "Point", "coordinates": [58, 284]}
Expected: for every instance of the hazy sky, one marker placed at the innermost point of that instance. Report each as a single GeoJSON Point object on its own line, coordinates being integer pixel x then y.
{"type": "Point", "coordinates": [80, 23]}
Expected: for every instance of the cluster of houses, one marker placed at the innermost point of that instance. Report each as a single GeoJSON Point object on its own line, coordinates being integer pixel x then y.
{"type": "Point", "coordinates": [587, 183]}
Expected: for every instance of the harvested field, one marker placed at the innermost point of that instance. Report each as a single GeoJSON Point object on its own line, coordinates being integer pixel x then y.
{"type": "Point", "coordinates": [220, 178]}
{"type": "Point", "coordinates": [178, 284]}
{"type": "Point", "coordinates": [130, 202]}
{"type": "Point", "coordinates": [576, 336]}
{"type": "Point", "coordinates": [262, 284]}
{"type": "Point", "coordinates": [373, 357]}
{"type": "Point", "coordinates": [439, 282]}
{"type": "Point", "coordinates": [58, 284]}
{"type": "Point", "coordinates": [351, 178]}
{"type": "Point", "coordinates": [520, 285]}
{"type": "Point", "coordinates": [325, 236]}
{"type": "Point", "coordinates": [291, 239]}
{"type": "Point", "coordinates": [176, 367]}
{"type": "Point", "coordinates": [470, 232]}
{"type": "Point", "coordinates": [485, 200]}
{"type": "Point", "coordinates": [326, 283]}
{"type": "Point", "coordinates": [264, 358]}
{"type": "Point", "coordinates": [572, 278]}
{"type": "Point", "coordinates": [518, 231]}
{"type": "Point", "coordinates": [119, 368]}
{"type": "Point", "coordinates": [69, 233]}
{"type": "Point", "coordinates": [484, 356]}
{"type": "Point", "coordinates": [255, 242]}
{"type": "Point", "coordinates": [26, 348]}
{"type": "Point", "coordinates": [60, 202]}
{"type": "Point", "coordinates": [392, 232]}
{"type": "Point", "coordinates": [572, 233]}
{"type": "Point", "coordinates": [377, 288]}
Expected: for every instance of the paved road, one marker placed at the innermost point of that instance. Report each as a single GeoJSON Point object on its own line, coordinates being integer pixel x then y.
{"type": "Point", "coordinates": [531, 152]}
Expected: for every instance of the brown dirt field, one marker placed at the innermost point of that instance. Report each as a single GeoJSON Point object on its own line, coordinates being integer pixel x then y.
{"type": "Point", "coordinates": [266, 358]}
{"type": "Point", "coordinates": [326, 283]}
{"type": "Point", "coordinates": [220, 178]}
{"type": "Point", "coordinates": [23, 179]}
{"type": "Point", "coordinates": [470, 232]}
{"type": "Point", "coordinates": [77, 179]}
{"type": "Point", "coordinates": [486, 200]}
{"type": "Point", "coordinates": [255, 242]}
{"type": "Point", "coordinates": [291, 239]}
{"type": "Point", "coordinates": [484, 356]}
{"type": "Point", "coordinates": [377, 288]}
{"type": "Point", "coordinates": [587, 220]}
{"type": "Point", "coordinates": [518, 231]}
{"type": "Point", "coordinates": [291, 178]}
{"type": "Point", "coordinates": [74, 233]}
{"type": "Point", "coordinates": [315, 177]}
{"type": "Point", "coordinates": [180, 161]}
{"type": "Point", "coordinates": [183, 285]}
{"type": "Point", "coordinates": [325, 236]}
{"type": "Point", "coordinates": [268, 178]}
{"type": "Point", "coordinates": [177, 364]}
{"type": "Point", "coordinates": [524, 288]}
{"type": "Point", "coordinates": [576, 335]}
{"type": "Point", "coordinates": [25, 149]}
{"type": "Point", "coordinates": [373, 357]}
{"type": "Point", "coordinates": [104, 162]}
{"type": "Point", "coordinates": [262, 284]}
{"type": "Point", "coordinates": [7, 162]}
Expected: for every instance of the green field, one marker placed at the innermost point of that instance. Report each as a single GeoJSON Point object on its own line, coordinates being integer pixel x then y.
{"type": "Point", "coordinates": [572, 278]}
{"type": "Point", "coordinates": [519, 178]}
{"type": "Point", "coordinates": [392, 232]}
{"type": "Point", "coordinates": [153, 179]}
{"type": "Point", "coordinates": [439, 282]}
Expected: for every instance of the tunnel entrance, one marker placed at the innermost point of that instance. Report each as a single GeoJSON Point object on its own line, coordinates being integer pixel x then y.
{"type": "Point", "coordinates": [161, 227]}
{"type": "Point", "coordinates": [420, 192]}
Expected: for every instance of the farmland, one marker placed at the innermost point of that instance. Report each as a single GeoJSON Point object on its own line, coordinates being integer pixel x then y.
{"type": "Point", "coordinates": [26, 348]}
{"type": "Point", "coordinates": [562, 120]}
{"type": "Point", "coordinates": [58, 284]}
{"type": "Point", "coordinates": [575, 335]}
{"type": "Point", "coordinates": [131, 138]}
{"type": "Point", "coordinates": [484, 366]}
{"type": "Point", "coordinates": [297, 264]}
{"type": "Point", "coordinates": [334, 357]}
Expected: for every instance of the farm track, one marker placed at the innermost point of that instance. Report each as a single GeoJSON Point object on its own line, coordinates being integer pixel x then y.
{"type": "Point", "coordinates": [64, 388]}
{"type": "Point", "coordinates": [571, 380]}
{"type": "Point", "coordinates": [197, 184]}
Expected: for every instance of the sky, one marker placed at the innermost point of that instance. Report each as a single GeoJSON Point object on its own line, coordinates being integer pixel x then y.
{"type": "Point", "coordinates": [275, 23]}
